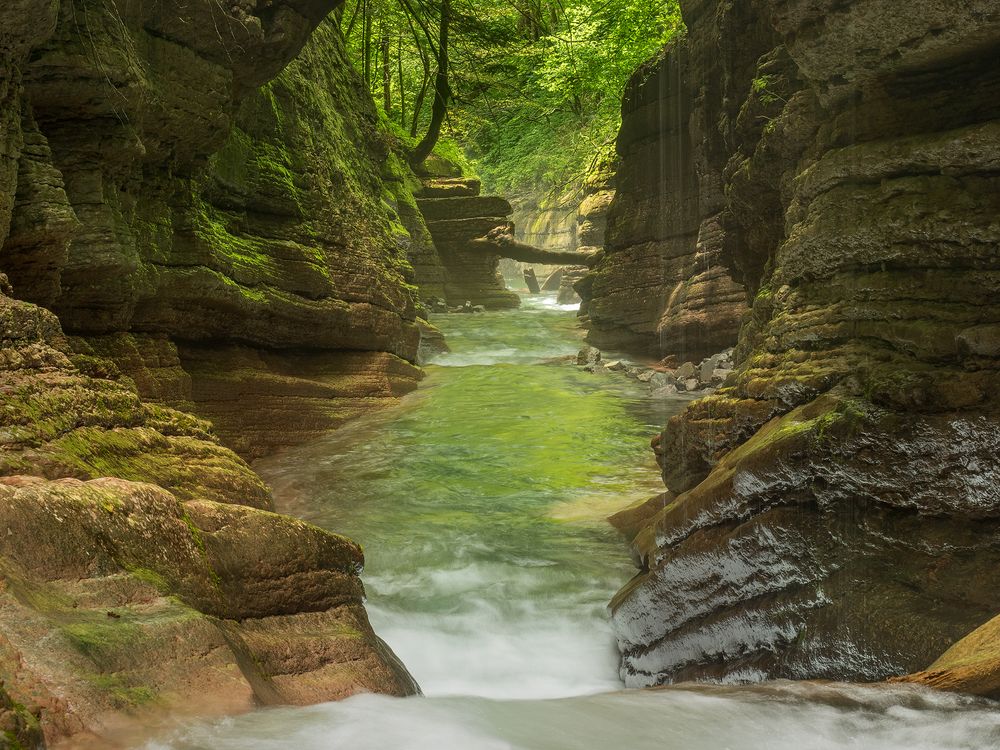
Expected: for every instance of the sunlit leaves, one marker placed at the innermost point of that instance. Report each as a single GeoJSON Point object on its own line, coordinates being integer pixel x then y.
{"type": "Point", "coordinates": [536, 83]}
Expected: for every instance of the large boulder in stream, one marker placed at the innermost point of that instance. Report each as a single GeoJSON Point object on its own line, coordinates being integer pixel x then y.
{"type": "Point", "coordinates": [834, 509]}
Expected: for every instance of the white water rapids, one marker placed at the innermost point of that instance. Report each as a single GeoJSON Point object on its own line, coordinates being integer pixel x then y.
{"type": "Point", "coordinates": [480, 502]}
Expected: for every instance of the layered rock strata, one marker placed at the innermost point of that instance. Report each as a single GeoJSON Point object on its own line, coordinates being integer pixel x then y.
{"type": "Point", "coordinates": [661, 287]}
{"type": "Point", "coordinates": [591, 228]}
{"type": "Point", "coordinates": [832, 511]}
{"type": "Point", "coordinates": [552, 227]}
{"type": "Point", "coordinates": [141, 572]}
{"type": "Point", "coordinates": [213, 245]}
{"type": "Point", "coordinates": [457, 215]}
{"type": "Point", "coordinates": [170, 191]}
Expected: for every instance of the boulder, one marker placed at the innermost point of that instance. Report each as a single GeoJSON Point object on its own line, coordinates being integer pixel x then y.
{"type": "Point", "coordinates": [665, 391]}
{"type": "Point", "coordinates": [685, 371]}
{"type": "Point", "coordinates": [970, 667]}
{"type": "Point", "coordinates": [661, 379]}
{"type": "Point", "coordinates": [589, 355]}
{"type": "Point", "coordinates": [121, 604]}
{"type": "Point", "coordinates": [707, 368]}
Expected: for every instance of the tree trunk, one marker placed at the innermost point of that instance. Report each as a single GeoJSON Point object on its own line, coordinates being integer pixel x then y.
{"type": "Point", "coordinates": [441, 92]}
{"type": "Point", "coordinates": [418, 102]}
{"type": "Point", "coordinates": [402, 87]}
{"type": "Point", "coordinates": [366, 44]}
{"type": "Point", "coordinates": [386, 67]}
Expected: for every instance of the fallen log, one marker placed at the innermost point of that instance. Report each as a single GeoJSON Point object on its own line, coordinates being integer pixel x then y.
{"type": "Point", "coordinates": [501, 242]}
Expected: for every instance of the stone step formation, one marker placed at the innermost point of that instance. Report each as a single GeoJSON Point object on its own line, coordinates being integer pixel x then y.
{"type": "Point", "coordinates": [471, 233]}
{"type": "Point", "coordinates": [457, 215]}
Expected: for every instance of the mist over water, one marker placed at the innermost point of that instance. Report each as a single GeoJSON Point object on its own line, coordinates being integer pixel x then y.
{"type": "Point", "coordinates": [783, 717]}
{"type": "Point", "coordinates": [480, 501]}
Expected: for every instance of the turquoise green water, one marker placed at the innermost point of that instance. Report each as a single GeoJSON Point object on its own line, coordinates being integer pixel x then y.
{"type": "Point", "coordinates": [481, 503]}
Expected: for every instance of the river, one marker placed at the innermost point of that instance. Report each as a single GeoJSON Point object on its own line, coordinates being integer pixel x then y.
{"type": "Point", "coordinates": [481, 501]}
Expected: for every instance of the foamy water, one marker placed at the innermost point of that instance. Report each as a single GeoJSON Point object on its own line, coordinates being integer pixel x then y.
{"type": "Point", "coordinates": [497, 603]}
{"type": "Point", "coordinates": [778, 717]}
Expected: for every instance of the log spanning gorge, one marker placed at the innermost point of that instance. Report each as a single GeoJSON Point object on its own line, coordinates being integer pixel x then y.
{"type": "Point", "coordinates": [291, 458]}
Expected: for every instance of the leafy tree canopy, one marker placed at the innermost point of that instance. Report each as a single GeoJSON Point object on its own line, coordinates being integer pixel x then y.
{"type": "Point", "coordinates": [533, 87]}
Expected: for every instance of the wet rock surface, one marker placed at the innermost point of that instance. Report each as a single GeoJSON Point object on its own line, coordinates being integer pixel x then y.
{"type": "Point", "coordinates": [832, 508]}
{"type": "Point", "coordinates": [120, 601]}
{"type": "Point", "coordinates": [168, 210]}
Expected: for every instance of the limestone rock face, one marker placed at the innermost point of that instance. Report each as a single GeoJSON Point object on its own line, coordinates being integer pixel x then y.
{"type": "Point", "coordinates": [546, 226]}
{"type": "Point", "coordinates": [212, 246]}
{"type": "Point", "coordinates": [661, 287]}
{"type": "Point", "coordinates": [69, 415]}
{"type": "Point", "coordinates": [96, 627]}
{"type": "Point", "coordinates": [100, 577]}
{"type": "Point", "coordinates": [457, 215]}
{"type": "Point", "coordinates": [167, 188]}
{"type": "Point", "coordinates": [833, 509]}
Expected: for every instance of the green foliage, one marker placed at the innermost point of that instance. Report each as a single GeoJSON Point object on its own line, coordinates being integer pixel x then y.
{"type": "Point", "coordinates": [536, 87]}
{"type": "Point", "coordinates": [763, 86]}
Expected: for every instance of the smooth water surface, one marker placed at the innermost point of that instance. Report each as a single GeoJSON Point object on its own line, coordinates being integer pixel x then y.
{"type": "Point", "coordinates": [480, 501]}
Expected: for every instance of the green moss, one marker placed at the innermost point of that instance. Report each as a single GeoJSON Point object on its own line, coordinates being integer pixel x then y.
{"type": "Point", "coordinates": [122, 695]}
{"type": "Point", "coordinates": [103, 641]}
{"type": "Point", "coordinates": [451, 153]}
{"type": "Point", "coordinates": [199, 542]}
{"type": "Point", "coordinates": [151, 577]}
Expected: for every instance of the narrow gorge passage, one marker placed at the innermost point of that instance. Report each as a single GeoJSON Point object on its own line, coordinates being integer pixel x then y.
{"type": "Point", "coordinates": [481, 502]}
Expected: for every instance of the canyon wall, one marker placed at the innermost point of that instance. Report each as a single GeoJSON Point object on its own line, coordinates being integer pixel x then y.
{"type": "Point", "coordinates": [661, 287]}
{"type": "Point", "coordinates": [186, 225]}
{"type": "Point", "coordinates": [833, 510]}
{"type": "Point", "coordinates": [233, 239]}
{"type": "Point", "coordinates": [576, 224]}
{"type": "Point", "coordinates": [456, 216]}
{"type": "Point", "coordinates": [545, 226]}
